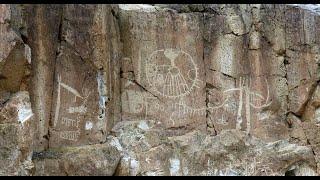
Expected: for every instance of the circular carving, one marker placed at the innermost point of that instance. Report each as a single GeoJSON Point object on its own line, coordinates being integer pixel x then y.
{"type": "Point", "coordinates": [171, 73]}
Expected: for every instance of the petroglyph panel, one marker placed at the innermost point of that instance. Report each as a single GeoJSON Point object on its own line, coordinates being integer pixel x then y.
{"type": "Point", "coordinates": [161, 80]}
{"type": "Point", "coordinates": [250, 79]}
{"type": "Point", "coordinates": [139, 105]}
{"type": "Point", "coordinates": [239, 94]}
{"type": "Point", "coordinates": [239, 107]}
{"type": "Point", "coordinates": [170, 90]}
{"type": "Point", "coordinates": [76, 102]}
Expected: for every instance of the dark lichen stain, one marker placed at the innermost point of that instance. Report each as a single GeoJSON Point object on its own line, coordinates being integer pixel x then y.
{"type": "Point", "coordinates": [45, 155]}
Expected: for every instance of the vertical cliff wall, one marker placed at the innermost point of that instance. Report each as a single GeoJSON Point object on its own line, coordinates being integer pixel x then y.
{"type": "Point", "coordinates": [159, 90]}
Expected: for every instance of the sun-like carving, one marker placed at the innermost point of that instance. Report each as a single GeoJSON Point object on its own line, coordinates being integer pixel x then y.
{"type": "Point", "coordinates": [171, 73]}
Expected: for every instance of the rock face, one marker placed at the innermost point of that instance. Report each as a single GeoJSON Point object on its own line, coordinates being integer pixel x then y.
{"type": "Point", "coordinates": [229, 153]}
{"type": "Point", "coordinates": [162, 71]}
{"type": "Point", "coordinates": [16, 116]}
{"type": "Point", "coordinates": [93, 160]}
{"type": "Point", "coordinates": [16, 129]}
{"type": "Point", "coordinates": [160, 89]}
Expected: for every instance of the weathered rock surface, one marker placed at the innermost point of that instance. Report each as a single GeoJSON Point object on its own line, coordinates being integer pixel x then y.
{"type": "Point", "coordinates": [15, 57]}
{"type": "Point", "coordinates": [40, 29]}
{"type": "Point", "coordinates": [92, 160]}
{"type": "Point", "coordinates": [178, 89]}
{"type": "Point", "coordinates": [16, 115]}
{"type": "Point", "coordinates": [162, 70]}
{"type": "Point", "coordinates": [85, 77]}
{"type": "Point", "coordinates": [16, 135]}
{"type": "Point", "coordinates": [245, 76]}
{"type": "Point", "coordinates": [196, 153]}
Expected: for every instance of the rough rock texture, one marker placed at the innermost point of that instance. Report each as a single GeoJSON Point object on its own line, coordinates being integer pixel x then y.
{"type": "Point", "coordinates": [85, 75]}
{"type": "Point", "coordinates": [42, 36]}
{"type": "Point", "coordinates": [195, 153]}
{"type": "Point", "coordinates": [161, 69]}
{"type": "Point", "coordinates": [16, 135]}
{"type": "Point", "coordinates": [15, 58]}
{"type": "Point", "coordinates": [16, 116]}
{"type": "Point", "coordinates": [173, 89]}
{"type": "Point", "coordinates": [79, 42]}
{"type": "Point", "coordinates": [93, 160]}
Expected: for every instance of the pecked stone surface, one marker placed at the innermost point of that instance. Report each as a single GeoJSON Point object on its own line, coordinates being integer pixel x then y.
{"type": "Point", "coordinates": [71, 42]}
{"type": "Point", "coordinates": [162, 77]}
{"type": "Point", "coordinates": [178, 89]}
{"type": "Point", "coordinates": [258, 73]}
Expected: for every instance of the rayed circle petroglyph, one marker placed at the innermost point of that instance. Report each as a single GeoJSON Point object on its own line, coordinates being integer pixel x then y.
{"type": "Point", "coordinates": [172, 73]}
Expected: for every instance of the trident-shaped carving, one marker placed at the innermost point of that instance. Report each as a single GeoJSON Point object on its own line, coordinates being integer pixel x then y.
{"type": "Point", "coordinates": [246, 95]}
{"type": "Point", "coordinates": [245, 101]}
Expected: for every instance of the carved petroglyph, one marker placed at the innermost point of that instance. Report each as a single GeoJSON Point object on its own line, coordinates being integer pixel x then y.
{"type": "Point", "coordinates": [70, 122]}
{"type": "Point", "coordinates": [136, 102]}
{"type": "Point", "coordinates": [82, 109]}
{"type": "Point", "coordinates": [57, 111]}
{"type": "Point", "coordinates": [250, 99]}
{"type": "Point", "coordinates": [223, 120]}
{"type": "Point", "coordinates": [172, 73]}
{"type": "Point", "coordinates": [181, 109]}
{"type": "Point", "coordinates": [152, 105]}
{"type": "Point", "coordinates": [71, 90]}
{"type": "Point", "coordinates": [70, 135]}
